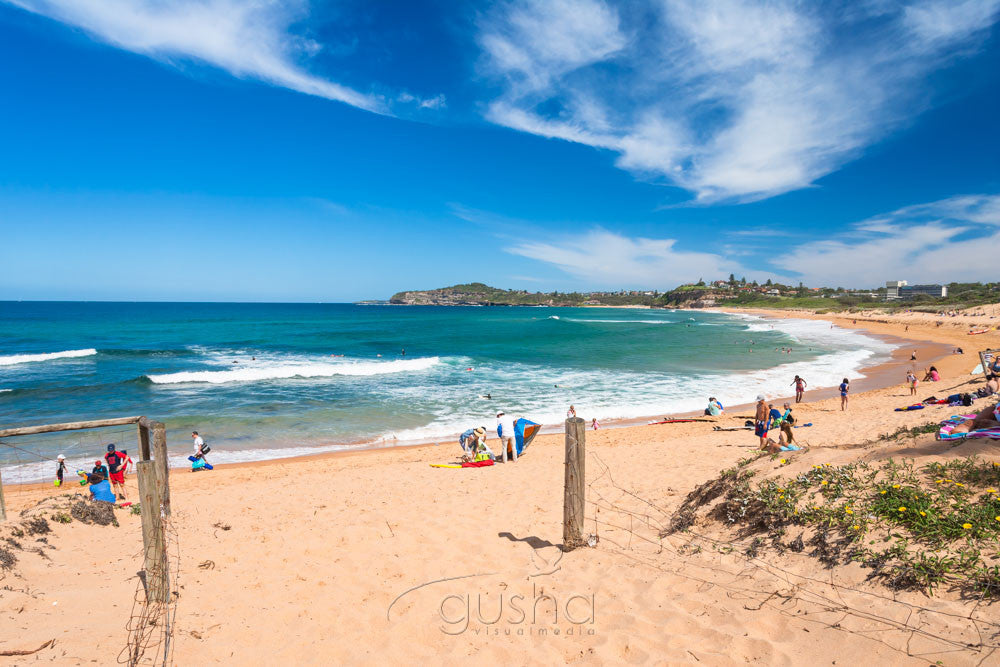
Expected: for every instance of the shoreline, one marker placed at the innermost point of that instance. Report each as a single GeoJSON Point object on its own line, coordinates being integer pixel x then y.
{"type": "Point", "coordinates": [877, 376]}
{"type": "Point", "coordinates": [351, 553]}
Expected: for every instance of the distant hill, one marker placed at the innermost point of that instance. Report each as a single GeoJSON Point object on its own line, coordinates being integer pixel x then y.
{"type": "Point", "coordinates": [480, 294]}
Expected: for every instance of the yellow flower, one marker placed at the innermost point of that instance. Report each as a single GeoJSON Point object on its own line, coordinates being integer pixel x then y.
{"type": "Point", "coordinates": [923, 514]}
{"type": "Point", "coordinates": [939, 481]}
{"type": "Point", "coordinates": [959, 484]}
{"type": "Point", "coordinates": [783, 461]}
{"type": "Point", "coordinates": [998, 518]}
{"type": "Point", "coordinates": [850, 511]}
{"type": "Point", "coordinates": [824, 483]}
{"type": "Point", "coordinates": [967, 526]}
{"type": "Point", "coordinates": [882, 492]}
{"type": "Point", "coordinates": [947, 480]}
{"type": "Point", "coordinates": [781, 495]}
{"type": "Point", "coordinates": [991, 490]}
{"type": "Point", "coordinates": [781, 490]}
{"type": "Point", "coordinates": [902, 509]}
{"type": "Point", "coordinates": [856, 527]}
{"type": "Point", "coordinates": [895, 486]}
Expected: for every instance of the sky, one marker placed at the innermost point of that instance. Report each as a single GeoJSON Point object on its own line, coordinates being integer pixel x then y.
{"type": "Point", "coordinates": [286, 150]}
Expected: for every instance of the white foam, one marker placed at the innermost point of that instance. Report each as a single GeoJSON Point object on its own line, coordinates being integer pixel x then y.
{"type": "Point", "coordinates": [12, 359]}
{"type": "Point", "coordinates": [278, 371]}
{"type": "Point", "coordinates": [573, 319]}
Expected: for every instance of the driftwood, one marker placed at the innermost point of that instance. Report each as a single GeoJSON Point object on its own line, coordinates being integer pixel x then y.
{"type": "Point", "coordinates": [47, 644]}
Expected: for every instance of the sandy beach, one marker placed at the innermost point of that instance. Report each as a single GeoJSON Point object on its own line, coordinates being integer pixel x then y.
{"type": "Point", "coordinates": [376, 556]}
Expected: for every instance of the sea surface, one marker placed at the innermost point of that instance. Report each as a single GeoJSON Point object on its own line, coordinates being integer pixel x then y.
{"type": "Point", "coordinates": [263, 381]}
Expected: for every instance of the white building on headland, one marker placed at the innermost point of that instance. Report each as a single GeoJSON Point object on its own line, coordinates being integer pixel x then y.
{"type": "Point", "coordinates": [899, 289]}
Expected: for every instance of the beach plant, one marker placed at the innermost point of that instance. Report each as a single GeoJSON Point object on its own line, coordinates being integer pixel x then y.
{"type": "Point", "coordinates": [914, 527]}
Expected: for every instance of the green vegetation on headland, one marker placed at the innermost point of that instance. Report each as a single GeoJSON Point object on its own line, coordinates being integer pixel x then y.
{"type": "Point", "coordinates": [731, 293]}
{"type": "Point", "coordinates": [735, 293]}
{"type": "Point", "coordinates": [478, 294]}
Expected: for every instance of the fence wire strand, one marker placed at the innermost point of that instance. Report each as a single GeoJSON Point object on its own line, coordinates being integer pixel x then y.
{"type": "Point", "coordinates": [616, 510]}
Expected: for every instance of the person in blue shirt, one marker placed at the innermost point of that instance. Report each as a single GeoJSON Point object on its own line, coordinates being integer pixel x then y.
{"type": "Point", "coordinates": [100, 489]}
{"type": "Point", "coordinates": [845, 388]}
{"type": "Point", "coordinates": [714, 408]}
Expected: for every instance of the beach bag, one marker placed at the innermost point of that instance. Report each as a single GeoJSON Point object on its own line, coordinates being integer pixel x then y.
{"type": "Point", "coordinates": [205, 449]}
{"type": "Point", "coordinates": [966, 399]}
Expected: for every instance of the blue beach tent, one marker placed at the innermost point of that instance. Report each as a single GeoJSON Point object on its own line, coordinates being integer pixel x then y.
{"type": "Point", "coordinates": [524, 433]}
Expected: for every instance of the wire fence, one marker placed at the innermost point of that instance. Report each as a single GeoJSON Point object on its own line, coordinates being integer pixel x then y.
{"type": "Point", "coordinates": [29, 460]}
{"type": "Point", "coordinates": [632, 525]}
{"type": "Point", "coordinates": [150, 625]}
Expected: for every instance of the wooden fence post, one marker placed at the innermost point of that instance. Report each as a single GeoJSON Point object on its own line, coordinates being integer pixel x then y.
{"type": "Point", "coordinates": [153, 541]}
{"type": "Point", "coordinates": [162, 464]}
{"type": "Point", "coordinates": [3, 505]}
{"type": "Point", "coordinates": [574, 495]}
{"type": "Point", "coordinates": [143, 440]}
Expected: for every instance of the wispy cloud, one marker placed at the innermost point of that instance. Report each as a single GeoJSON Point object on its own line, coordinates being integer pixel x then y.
{"type": "Point", "coordinates": [604, 259]}
{"type": "Point", "coordinates": [248, 39]}
{"type": "Point", "coordinates": [943, 241]}
{"type": "Point", "coordinates": [949, 240]}
{"type": "Point", "coordinates": [728, 99]}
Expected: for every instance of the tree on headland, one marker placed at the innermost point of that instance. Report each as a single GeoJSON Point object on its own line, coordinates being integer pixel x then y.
{"type": "Point", "coordinates": [768, 283]}
{"type": "Point", "coordinates": [732, 279]}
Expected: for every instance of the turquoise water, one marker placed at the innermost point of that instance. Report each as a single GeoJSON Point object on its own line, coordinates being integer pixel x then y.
{"type": "Point", "coordinates": [175, 362]}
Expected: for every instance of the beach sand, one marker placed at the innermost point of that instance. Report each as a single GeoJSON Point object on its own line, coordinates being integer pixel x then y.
{"type": "Point", "coordinates": [376, 556]}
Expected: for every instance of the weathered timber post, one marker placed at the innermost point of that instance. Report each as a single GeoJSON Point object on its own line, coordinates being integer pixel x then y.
{"type": "Point", "coordinates": [162, 464]}
{"type": "Point", "coordinates": [153, 542]}
{"type": "Point", "coordinates": [143, 427]}
{"type": "Point", "coordinates": [573, 498]}
{"type": "Point", "coordinates": [3, 505]}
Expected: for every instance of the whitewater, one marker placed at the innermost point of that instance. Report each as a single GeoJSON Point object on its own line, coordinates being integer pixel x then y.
{"type": "Point", "coordinates": [264, 381]}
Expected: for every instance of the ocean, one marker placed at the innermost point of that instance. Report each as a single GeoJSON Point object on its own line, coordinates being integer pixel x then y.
{"type": "Point", "coordinates": [262, 381]}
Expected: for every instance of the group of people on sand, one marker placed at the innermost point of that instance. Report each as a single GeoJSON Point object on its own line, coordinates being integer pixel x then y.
{"type": "Point", "coordinates": [767, 418]}
{"type": "Point", "coordinates": [107, 479]}
{"type": "Point", "coordinates": [475, 449]}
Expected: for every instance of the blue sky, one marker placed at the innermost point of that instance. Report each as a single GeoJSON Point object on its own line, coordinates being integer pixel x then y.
{"type": "Point", "coordinates": [332, 151]}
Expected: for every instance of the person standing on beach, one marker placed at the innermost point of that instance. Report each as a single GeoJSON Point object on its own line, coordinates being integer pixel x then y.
{"type": "Point", "coordinates": [60, 470]}
{"type": "Point", "coordinates": [595, 424]}
{"type": "Point", "coordinates": [760, 421]}
{"type": "Point", "coordinates": [911, 380]}
{"type": "Point", "coordinates": [800, 388]}
{"type": "Point", "coordinates": [845, 388]}
{"type": "Point", "coordinates": [199, 447]}
{"type": "Point", "coordinates": [505, 431]}
{"type": "Point", "coordinates": [116, 468]}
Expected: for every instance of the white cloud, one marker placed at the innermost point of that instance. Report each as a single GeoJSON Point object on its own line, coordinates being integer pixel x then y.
{"type": "Point", "coordinates": [604, 259]}
{"type": "Point", "coordinates": [729, 99]}
{"type": "Point", "coordinates": [944, 241]}
{"type": "Point", "coordinates": [248, 39]}
{"type": "Point", "coordinates": [950, 240]}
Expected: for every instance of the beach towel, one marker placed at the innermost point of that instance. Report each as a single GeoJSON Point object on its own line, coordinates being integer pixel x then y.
{"type": "Point", "coordinates": [465, 464]}
{"type": "Point", "coordinates": [911, 407]}
{"type": "Point", "coordinates": [948, 425]}
{"type": "Point", "coordinates": [803, 425]}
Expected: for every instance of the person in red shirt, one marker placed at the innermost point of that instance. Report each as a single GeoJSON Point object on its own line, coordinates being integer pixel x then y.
{"type": "Point", "coordinates": [116, 467]}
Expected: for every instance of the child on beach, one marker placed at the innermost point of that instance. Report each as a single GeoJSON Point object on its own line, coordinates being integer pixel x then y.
{"type": "Point", "coordinates": [845, 388]}
{"type": "Point", "coordinates": [100, 489]}
{"type": "Point", "coordinates": [594, 425]}
{"type": "Point", "coordinates": [60, 470]}
{"type": "Point", "coordinates": [911, 380]}
{"type": "Point", "coordinates": [932, 375]}
{"type": "Point", "coordinates": [800, 388]}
